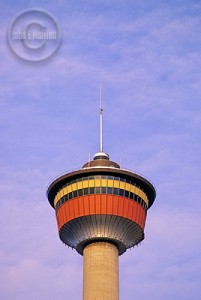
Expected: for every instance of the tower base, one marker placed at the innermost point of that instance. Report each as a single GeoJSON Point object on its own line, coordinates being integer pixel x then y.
{"type": "Point", "coordinates": [101, 272]}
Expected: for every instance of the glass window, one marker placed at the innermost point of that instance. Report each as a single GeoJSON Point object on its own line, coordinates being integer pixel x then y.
{"type": "Point", "coordinates": [91, 177]}
{"type": "Point", "coordinates": [127, 194]}
{"type": "Point", "coordinates": [75, 194]}
{"type": "Point", "coordinates": [122, 179]}
{"type": "Point", "coordinates": [85, 191]}
{"type": "Point", "coordinates": [97, 190]}
{"type": "Point", "coordinates": [104, 177]}
{"type": "Point", "coordinates": [110, 190]}
{"type": "Point", "coordinates": [91, 190]}
{"type": "Point", "coordinates": [131, 195]}
{"type": "Point", "coordinates": [104, 190]}
{"type": "Point", "coordinates": [116, 191]}
{"type": "Point", "coordinates": [121, 192]}
{"type": "Point", "coordinates": [77, 180]}
{"type": "Point", "coordinates": [111, 177]}
{"type": "Point", "coordinates": [79, 192]}
{"type": "Point", "coordinates": [70, 195]}
{"type": "Point", "coordinates": [116, 178]}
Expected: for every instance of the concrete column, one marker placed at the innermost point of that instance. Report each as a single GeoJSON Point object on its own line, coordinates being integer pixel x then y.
{"type": "Point", "coordinates": [101, 272]}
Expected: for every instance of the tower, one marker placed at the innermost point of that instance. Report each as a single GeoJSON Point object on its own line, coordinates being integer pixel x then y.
{"type": "Point", "coordinates": [101, 212]}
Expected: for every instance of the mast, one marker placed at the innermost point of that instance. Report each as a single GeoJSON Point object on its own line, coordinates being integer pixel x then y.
{"type": "Point", "coordinates": [101, 122]}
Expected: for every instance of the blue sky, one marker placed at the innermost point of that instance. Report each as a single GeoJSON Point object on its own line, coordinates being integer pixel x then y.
{"type": "Point", "coordinates": [147, 55]}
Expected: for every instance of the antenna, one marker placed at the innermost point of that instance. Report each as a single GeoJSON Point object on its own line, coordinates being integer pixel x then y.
{"type": "Point", "coordinates": [101, 121]}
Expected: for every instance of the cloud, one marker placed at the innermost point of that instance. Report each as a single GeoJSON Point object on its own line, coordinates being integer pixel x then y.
{"type": "Point", "coordinates": [168, 260]}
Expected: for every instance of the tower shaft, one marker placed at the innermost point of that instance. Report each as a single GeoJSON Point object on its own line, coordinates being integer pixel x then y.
{"type": "Point", "coordinates": [101, 272]}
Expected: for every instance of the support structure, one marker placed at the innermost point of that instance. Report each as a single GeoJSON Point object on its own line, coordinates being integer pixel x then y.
{"type": "Point", "coordinates": [101, 272]}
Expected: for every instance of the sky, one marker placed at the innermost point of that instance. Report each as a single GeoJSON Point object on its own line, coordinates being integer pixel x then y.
{"type": "Point", "coordinates": [147, 56]}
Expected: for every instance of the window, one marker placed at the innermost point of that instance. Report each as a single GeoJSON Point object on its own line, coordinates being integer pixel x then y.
{"type": "Point", "coordinates": [121, 192]}
{"type": "Point", "coordinates": [109, 190]}
{"type": "Point", "coordinates": [97, 190]}
{"type": "Point", "coordinates": [85, 191]}
{"type": "Point", "coordinates": [135, 197]}
{"type": "Point", "coordinates": [104, 190]}
{"type": "Point", "coordinates": [127, 194]}
{"type": "Point", "coordinates": [116, 191]}
{"type": "Point", "coordinates": [91, 190]}
{"type": "Point", "coordinates": [139, 200]}
{"type": "Point", "coordinates": [79, 192]}
{"type": "Point", "coordinates": [75, 194]}
{"type": "Point", "coordinates": [78, 179]}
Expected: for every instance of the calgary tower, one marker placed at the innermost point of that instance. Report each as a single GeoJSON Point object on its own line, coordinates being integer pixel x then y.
{"type": "Point", "coordinates": [101, 212]}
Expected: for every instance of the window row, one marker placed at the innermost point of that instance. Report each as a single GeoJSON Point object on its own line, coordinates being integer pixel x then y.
{"type": "Point", "coordinates": [100, 177]}
{"type": "Point", "coordinates": [98, 182]}
{"type": "Point", "coordinates": [101, 190]}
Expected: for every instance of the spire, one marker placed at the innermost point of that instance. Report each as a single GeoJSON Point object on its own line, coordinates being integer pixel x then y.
{"type": "Point", "coordinates": [101, 159]}
{"type": "Point", "coordinates": [101, 121]}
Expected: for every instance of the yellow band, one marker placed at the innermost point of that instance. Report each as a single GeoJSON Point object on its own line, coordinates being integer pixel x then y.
{"type": "Point", "coordinates": [100, 183]}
